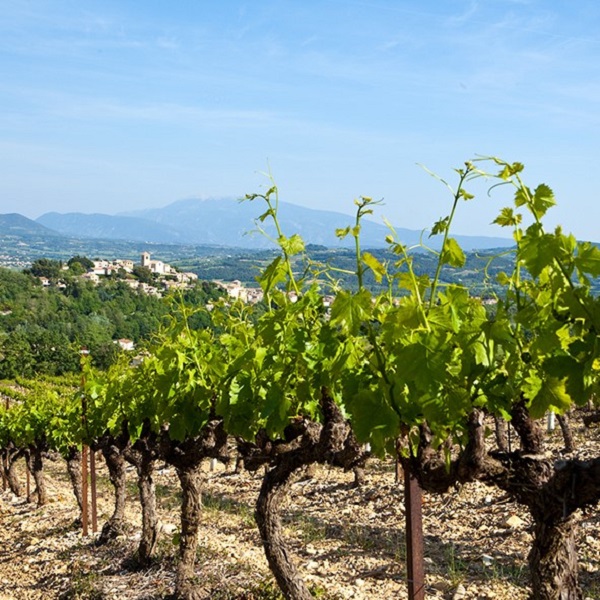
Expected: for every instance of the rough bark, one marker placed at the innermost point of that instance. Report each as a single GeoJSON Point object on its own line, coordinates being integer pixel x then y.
{"type": "Point", "coordinates": [553, 560]}
{"type": "Point", "coordinates": [565, 427]}
{"type": "Point", "coordinates": [186, 456]}
{"type": "Point", "coordinates": [592, 418]}
{"type": "Point", "coordinates": [191, 508]}
{"type": "Point", "coordinates": [3, 468]}
{"type": "Point", "coordinates": [149, 515]}
{"type": "Point", "coordinates": [530, 432]}
{"type": "Point", "coordinates": [239, 464]}
{"type": "Point", "coordinates": [359, 476]}
{"type": "Point", "coordinates": [501, 431]}
{"type": "Point", "coordinates": [74, 471]}
{"type": "Point", "coordinates": [10, 471]}
{"type": "Point", "coordinates": [552, 490]}
{"type": "Point", "coordinates": [304, 443]}
{"type": "Point", "coordinates": [273, 490]}
{"type": "Point", "coordinates": [432, 469]}
{"type": "Point", "coordinates": [115, 462]}
{"type": "Point", "coordinates": [143, 455]}
{"type": "Point", "coordinates": [35, 463]}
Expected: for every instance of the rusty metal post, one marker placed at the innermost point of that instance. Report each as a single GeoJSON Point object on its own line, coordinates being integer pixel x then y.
{"type": "Point", "coordinates": [84, 489]}
{"type": "Point", "coordinates": [414, 537]}
{"type": "Point", "coordinates": [93, 490]}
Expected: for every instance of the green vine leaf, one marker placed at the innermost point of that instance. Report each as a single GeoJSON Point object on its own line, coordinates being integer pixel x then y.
{"type": "Point", "coordinates": [543, 199]}
{"type": "Point", "coordinates": [508, 218]}
{"type": "Point", "coordinates": [453, 254]}
{"type": "Point", "coordinates": [379, 270]}
{"type": "Point", "coordinates": [274, 274]}
{"type": "Point", "coordinates": [351, 310]}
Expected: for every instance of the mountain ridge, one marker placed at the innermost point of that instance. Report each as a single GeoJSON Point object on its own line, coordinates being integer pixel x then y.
{"type": "Point", "coordinates": [229, 223]}
{"type": "Point", "coordinates": [17, 224]}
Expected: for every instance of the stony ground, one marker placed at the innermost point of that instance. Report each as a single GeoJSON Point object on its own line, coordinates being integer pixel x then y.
{"type": "Point", "coordinates": [349, 543]}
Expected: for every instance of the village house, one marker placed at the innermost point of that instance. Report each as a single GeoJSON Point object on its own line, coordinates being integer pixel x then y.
{"type": "Point", "coordinates": [156, 266]}
{"type": "Point", "coordinates": [125, 344]}
{"type": "Point", "coordinates": [236, 290]}
{"type": "Point", "coordinates": [91, 276]}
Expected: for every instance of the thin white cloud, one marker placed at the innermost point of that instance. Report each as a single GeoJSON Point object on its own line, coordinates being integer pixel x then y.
{"type": "Point", "coordinates": [469, 11]}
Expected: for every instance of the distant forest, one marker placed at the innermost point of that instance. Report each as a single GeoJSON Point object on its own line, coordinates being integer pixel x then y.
{"type": "Point", "coordinates": [43, 328]}
{"type": "Point", "coordinates": [478, 274]}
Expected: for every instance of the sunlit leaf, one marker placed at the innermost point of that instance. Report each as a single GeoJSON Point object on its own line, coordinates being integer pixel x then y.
{"type": "Point", "coordinates": [453, 253]}
{"type": "Point", "coordinates": [377, 267]}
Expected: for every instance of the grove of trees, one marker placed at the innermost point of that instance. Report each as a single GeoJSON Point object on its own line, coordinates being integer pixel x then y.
{"type": "Point", "coordinates": [42, 329]}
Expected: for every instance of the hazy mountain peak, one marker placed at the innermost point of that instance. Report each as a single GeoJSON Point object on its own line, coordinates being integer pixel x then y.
{"type": "Point", "coordinates": [226, 222]}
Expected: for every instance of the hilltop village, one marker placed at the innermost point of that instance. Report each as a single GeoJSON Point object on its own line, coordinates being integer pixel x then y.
{"type": "Point", "coordinates": [164, 276]}
{"type": "Point", "coordinates": [153, 277]}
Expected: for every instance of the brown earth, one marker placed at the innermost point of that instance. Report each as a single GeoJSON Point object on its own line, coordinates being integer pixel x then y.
{"type": "Point", "coordinates": [349, 543]}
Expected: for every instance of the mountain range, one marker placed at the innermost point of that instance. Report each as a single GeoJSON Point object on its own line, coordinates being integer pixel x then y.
{"type": "Point", "coordinates": [16, 225]}
{"type": "Point", "coordinates": [227, 222]}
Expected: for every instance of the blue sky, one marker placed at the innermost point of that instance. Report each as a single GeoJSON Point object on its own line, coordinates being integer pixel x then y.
{"type": "Point", "coordinates": [113, 105]}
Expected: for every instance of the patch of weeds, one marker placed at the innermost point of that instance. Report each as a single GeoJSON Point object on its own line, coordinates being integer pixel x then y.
{"type": "Point", "coordinates": [131, 488]}
{"type": "Point", "coordinates": [312, 531]}
{"type": "Point", "coordinates": [356, 537]}
{"type": "Point", "coordinates": [169, 499]}
{"type": "Point", "coordinates": [83, 585]}
{"type": "Point", "coordinates": [103, 483]}
{"type": "Point", "coordinates": [219, 503]}
{"type": "Point", "coordinates": [593, 591]}
{"type": "Point", "coordinates": [455, 568]}
{"type": "Point", "coordinates": [400, 553]}
{"type": "Point", "coordinates": [165, 546]}
{"type": "Point", "coordinates": [206, 554]}
{"type": "Point", "coordinates": [366, 539]}
{"type": "Point", "coordinates": [318, 591]}
{"type": "Point", "coordinates": [267, 589]}
{"type": "Point", "coordinates": [513, 572]}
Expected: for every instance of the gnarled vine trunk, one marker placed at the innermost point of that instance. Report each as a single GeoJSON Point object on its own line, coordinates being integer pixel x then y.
{"type": "Point", "coordinates": [74, 470]}
{"type": "Point", "coordinates": [35, 463]}
{"type": "Point", "coordinates": [143, 455]}
{"type": "Point", "coordinates": [186, 456]}
{"type": "Point", "coordinates": [272, 492]}
{"type": "Point", "coordinates": [549, 493]}
{"type": "Point", "coordinates": [501, 430]}
{"type": "Point", "coordinates": [10, 469]}
{"type": "Point", "coordinates": [565, 427]}
{"type": "Point", "coordinates": [553, 559]}
{"type": "Point", "coordinates": [112, 452]}
{"type": "Point", "coordinates": [304, 443]}
{"type": "Point", "coordinates": [552, 491]}
{"type": "Point", "coordinates": [190, 479]}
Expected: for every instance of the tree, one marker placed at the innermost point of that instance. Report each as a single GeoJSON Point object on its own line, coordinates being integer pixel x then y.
{"type": "Point", "coordinates": [46, 267]}
{"type": "Point", "coordinates": [143, 274]}
{"type": "Point", "coordinates": [85, 262]}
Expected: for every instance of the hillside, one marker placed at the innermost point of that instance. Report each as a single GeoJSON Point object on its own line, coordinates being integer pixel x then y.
{"type": "Point", "coordinates": [14, 224]}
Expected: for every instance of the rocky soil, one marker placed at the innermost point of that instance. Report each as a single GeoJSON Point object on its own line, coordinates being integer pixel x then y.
{"type": "Point", "coordinates": [349, 542]}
